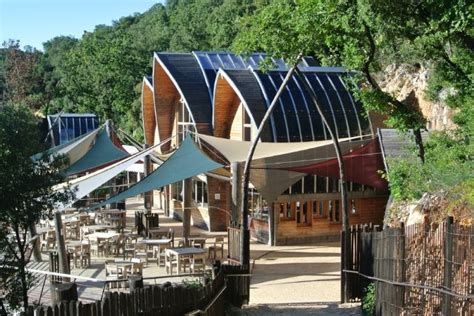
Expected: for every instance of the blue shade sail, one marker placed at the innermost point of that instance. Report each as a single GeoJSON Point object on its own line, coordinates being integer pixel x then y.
{"type": "Point", "coordinates": [187, 161]}
{"type": "Point", "coordinates": [103, 151]}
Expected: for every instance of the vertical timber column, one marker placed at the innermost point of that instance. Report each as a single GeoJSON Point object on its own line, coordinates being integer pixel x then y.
{"type": "Point", "coordinates": [236, 169]}
{"type": "Point", "coordinates": [187, 205]}
{"type": "Point", "coordinates": [272, 218]}
{"type": "Point", "coordinates": [63, 264]}
{"type": "Point", "coordinates": [147, 169]}
{"type": "Point", "coordinates": [166, 200]}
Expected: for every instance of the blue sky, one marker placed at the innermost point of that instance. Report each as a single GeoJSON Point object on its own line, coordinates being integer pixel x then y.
{"type": "Point", "coordinates": [36, 21]}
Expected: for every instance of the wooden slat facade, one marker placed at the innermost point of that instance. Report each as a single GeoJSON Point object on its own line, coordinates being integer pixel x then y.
{"type": "Point", "coordinates": [148, 112]}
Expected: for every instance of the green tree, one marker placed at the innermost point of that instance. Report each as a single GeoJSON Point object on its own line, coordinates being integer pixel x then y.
{"type": "Point", "coordinates": [53, 70]}
{"type": "Point", "coordinates": [367, 35]}
{"type": "Point", "coordinates": [22, 82]}
{"type": "Point", "coordinates": [103, 71]}
{"type": "Point", "coordinates": [27, 196]}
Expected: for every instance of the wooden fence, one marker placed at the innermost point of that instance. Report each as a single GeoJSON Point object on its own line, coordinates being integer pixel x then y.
{"type": "Point", "coordinates": [360, 258]}
{"type": "Point", "coordinates": [418, 270]}
{"type": "Point", "coordinates": [233, 245]}
{"type": "Point", "coordinates": [163, 299]}
{"type": "Point", "coordinates": [238, 284]}
{"type": "Point", "coordinates": [231, 283]}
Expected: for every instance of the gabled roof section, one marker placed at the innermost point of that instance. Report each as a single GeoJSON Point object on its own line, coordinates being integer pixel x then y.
{"type": "Point", "coordinates": [185, 72]}
{"type": "Point", "coordinates": [148, 110]}
{"type": "Point", "coordinates": [246, 87]}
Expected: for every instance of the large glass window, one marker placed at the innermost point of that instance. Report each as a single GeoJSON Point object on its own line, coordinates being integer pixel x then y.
{"type": "Point", "coordinates": [200, 192]}
{"type": "Point", "coordinates": [177, 190]}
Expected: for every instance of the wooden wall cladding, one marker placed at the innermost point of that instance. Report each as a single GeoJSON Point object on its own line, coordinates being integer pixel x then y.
{"type": "Point", "coordinates": [369, 210]}
{"type": "Point", "coordinates": [148, 108]}
{"type": "Point", "coordinates": [165, 96]}
{"type": "Point", "coordinates": [226, 103]}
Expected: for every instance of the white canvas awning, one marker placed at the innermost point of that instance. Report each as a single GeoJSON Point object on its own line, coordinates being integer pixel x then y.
{"type": "Point", "coordinates": [88, 183]}
{"type": "Point", "coordinates": [266, 175]}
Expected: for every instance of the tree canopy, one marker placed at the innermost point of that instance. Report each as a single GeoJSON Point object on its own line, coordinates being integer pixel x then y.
{"type": "Point", "coordinates": [367, 35]}
{"type": "Point", "coordinates": [26, 194]}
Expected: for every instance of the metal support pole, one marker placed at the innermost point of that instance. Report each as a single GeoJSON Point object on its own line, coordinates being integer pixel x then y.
{"type": "Point", "coordinates": [245, 243]}
{"type": "Point", "coordinates": [236, 169]}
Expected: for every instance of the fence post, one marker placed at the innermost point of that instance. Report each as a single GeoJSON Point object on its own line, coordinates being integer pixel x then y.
{"type": "Point", "coordinates": [402, 271]}
{"type": "Point", "coordinates": [343, 278]}
{"type": "Point", "coordinates": [448, 254]}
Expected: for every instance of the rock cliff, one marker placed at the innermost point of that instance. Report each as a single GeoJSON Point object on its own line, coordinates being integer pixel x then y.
{"type": "Point", "coordinates": [408, 83]}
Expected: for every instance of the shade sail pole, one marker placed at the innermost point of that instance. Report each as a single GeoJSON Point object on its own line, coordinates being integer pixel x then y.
{"type": "Point", "coordinates": [342, 183]}
{"type": "Point", "coordinates": [245, 235]}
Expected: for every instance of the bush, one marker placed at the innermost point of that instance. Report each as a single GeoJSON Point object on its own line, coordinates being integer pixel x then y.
{"type": "Point", "coordinates": [368, 300]}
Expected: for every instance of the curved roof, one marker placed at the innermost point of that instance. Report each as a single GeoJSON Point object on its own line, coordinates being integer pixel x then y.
{"type": "Point", "coordinates": [246, 87]}
{"type": "Point", "coordinates": [186, 74]}
{"type": "Point", "coordinates": [295, 118]}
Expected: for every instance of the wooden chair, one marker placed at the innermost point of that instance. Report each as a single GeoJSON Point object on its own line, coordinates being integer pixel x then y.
{"type": "Point", "coordinates": [137, 266]}
{"type": "Point", "coordinates": [83, 254]}
{"type": "Point", "coordinates": [141, 251]}
{"type": "Point", "coordinates": [170, 263]}
{"type": "Point", "coordinates": [217, 246]}
{"type": "Point", "coordinates": [129, 248]}
{"type": "Point", "coordinates": [198, 263]}
{"type": "Point", "coordinates": [49, 241]}
{"type": "Point", "coordinates": [118, 245]}
{"type": "Point", "coordinates": [100, 247]}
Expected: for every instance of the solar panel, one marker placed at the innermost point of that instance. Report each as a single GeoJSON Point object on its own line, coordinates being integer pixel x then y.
{"type": "Point", "coordinates": [278, 115]}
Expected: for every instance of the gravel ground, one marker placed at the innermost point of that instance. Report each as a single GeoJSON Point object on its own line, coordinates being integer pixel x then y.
{"type": "Point", "coordinates": [296, 280]}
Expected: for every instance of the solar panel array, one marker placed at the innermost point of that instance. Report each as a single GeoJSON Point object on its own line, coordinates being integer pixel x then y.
{"type": "Point", "coordinates": [295, 118]}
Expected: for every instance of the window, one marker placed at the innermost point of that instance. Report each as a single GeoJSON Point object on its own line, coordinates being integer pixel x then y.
{"type": "Point", "coordinates": [297, 188]}
{"type": "Point", "coordinates": [177, 189]}
{"type": "Point", "coordinates": [184, 122]}
{"type": "Point", "coordinates": [318, 209]}
{"type": "Point", "coordinates": [309, 184]}
{"type": "Point", "coordinates": [247, 126]}
{"type": "Point", "coordinates": [302, 213]}
{"type": "Point", "coordinates": [321, 184]}
{"type": "Point", "coordinates": [334, 211]}
{"type": "Point", "coordinates": [285, 211]}
{"type": "Point", "coordinates": [200, 192]}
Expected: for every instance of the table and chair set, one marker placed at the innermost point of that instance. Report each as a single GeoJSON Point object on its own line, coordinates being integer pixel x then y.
{"type": "Point", "coordinates": [105, 234]}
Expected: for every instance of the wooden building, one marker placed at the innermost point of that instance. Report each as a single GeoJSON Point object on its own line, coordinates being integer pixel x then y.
{"type": "Point", "coordinates": [226, 95]}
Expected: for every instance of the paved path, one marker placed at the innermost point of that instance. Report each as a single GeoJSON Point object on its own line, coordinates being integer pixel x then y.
{"type": "Point", "coordinates": [297, 280]}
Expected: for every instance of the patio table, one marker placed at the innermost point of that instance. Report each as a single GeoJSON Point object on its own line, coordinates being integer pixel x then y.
{"type": "Point", "coordinates": [201, 241]}
{"type": "Point", "coordinates": [104, 235]}
{"type": "Point", "coordinates": [180, 252]}
{"type": "Point", "coordinates": [156, 243]}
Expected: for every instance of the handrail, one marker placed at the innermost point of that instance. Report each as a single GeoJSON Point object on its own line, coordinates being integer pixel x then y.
{"type": "Point", "coordinates": [197, 311]}
{"type": "Point", "coordinates": [65, 275]}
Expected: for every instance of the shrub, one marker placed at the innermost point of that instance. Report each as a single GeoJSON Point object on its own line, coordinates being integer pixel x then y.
{"type": "Point", "coordinates": [368, 300]}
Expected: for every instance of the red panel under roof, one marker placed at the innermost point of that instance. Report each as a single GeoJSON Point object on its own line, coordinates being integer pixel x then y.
{"type": "Point", "coordinates": [362, 166]}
